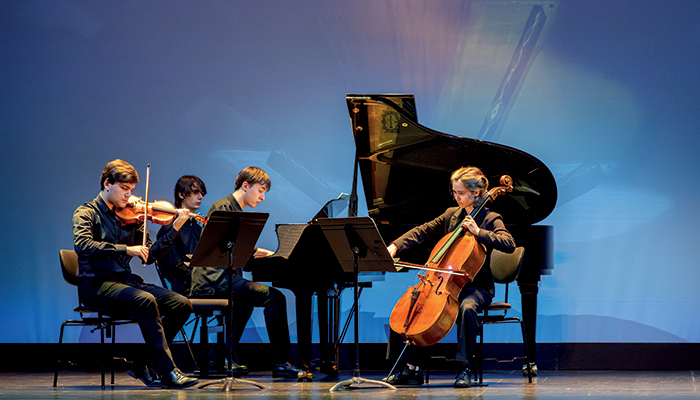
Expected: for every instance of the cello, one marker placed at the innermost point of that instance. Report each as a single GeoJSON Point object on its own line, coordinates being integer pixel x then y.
{"type": "Point", "coordinates": [426, 312]}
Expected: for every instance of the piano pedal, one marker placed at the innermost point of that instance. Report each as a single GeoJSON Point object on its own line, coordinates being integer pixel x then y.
{"type": "Point", "coordinates": [304, 375]}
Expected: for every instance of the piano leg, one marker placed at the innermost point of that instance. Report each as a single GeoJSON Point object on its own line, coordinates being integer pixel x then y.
{"type": "Point", "coordinates": [328, 309]}
{"type": "Point", "coordinates": [528, 294]}
{"type": "Point", "coordinates": [304, 325]}
{"type": "Point", "coordinates": [328, 330]}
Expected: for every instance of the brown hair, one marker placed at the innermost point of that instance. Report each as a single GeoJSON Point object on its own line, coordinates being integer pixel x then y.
{"type": "Point", "coordinates": [473, 179]}
{"type": "Point", "coordinates": [118, 171]}
{"type": "Point", "coordinates": [252, 175]}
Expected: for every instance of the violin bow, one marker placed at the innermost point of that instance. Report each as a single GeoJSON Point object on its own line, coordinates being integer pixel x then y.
{"type": "Point", "coordinates": [145, 212]}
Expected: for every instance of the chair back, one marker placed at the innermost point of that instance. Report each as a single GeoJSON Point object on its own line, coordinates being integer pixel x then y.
{"type": "Point", "coordinates": [506, 267]}
{"type": "Point", "coordinates": [69, 266]}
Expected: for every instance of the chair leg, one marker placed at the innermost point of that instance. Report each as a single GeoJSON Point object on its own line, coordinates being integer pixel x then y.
{"type": "Point", "coordinates": [102, 351]}
{"type": "Point", "coordinates": [189, 348]}
{"type": "Point", "coordinates": [111, 353]}
{"type": "Point", "coordinates": [477, 361]}
{"type": "Point", "coordinates": [194, 328]}
{"type": "Point", "coordinates": [204, 345]}
{"type": "Point", "coordinates": [429, 361]}
{"type": "Point", "coordinates": [221, 338]}
{"type": "Point", "coordinates": [481, 363]}
{"type": "Point", "coordinates": [58, 352]}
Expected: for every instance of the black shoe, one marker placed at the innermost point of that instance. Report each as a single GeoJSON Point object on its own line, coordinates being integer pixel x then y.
{"type": "Point", "coordinates": [237, 369]}
{"type": "Point", "coordinates": [287, 370]}
{"type": "Point", "coordinates": [406, 377]}
{"type": "Point", "coordinates": [144, 377]}
{"type": "Point", "coordinates": [326, 367]}
{"type": "Point", "coordinates": [175, 379]}
{"type": "Point", "coordinates": [464, 380]}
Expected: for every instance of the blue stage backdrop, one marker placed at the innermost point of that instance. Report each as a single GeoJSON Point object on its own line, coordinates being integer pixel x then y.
{"type": "Point", "coordinates": [609, 102]}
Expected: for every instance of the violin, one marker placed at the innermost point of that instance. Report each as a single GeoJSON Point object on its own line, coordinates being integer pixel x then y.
{"type": "Point", "coordinates": [159, 212]}
{"type": "Point", "coordinates": [426, 312]}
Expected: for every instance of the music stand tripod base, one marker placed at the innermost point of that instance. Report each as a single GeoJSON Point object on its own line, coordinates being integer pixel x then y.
{"type": "Point", "coordinates": [229, 382]}
{"type": "Point", "coordinates": [358, 380]}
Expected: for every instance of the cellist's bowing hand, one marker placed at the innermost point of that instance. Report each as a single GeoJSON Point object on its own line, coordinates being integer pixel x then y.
{"type": "Point", "coordinates": [138, 251]}
{"type": "Point", "coordinates": [392, 250]}
{"type": "Point", "coordinates": [470, 225]}
{"type": "Point", "coordinates": [183, 215]}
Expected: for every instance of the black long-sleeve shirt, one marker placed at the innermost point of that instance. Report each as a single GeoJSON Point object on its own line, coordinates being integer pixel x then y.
{"type": "Point", "coordinates": [208, 281]}
{"type": "Point", "coordinates": [493, 235]}
{"type": "Point", "coordinates": [175, 262]}
{"type": "Point", "coordinates": [100, 240]}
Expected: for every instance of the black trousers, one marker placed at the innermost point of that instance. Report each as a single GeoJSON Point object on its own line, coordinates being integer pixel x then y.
{"type": "Point", "coordinates": [472, 300]}
{"type": "Point", "coordinates": [160, 313]}
{"type": "Point", "coordinates": [246, 296]}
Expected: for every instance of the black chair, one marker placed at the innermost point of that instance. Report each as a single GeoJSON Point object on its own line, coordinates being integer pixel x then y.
{"type": "Point", "coordinates": [505, 269]}
{"type": "Point", "coordinates": [204, 311]}
{"type": "Point", "coordinates": [89, 316]}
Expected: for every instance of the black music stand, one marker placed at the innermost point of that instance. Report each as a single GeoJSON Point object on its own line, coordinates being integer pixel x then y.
{"type": "Point", "coordinates": [358, 247]}
{"type": "Point", "coordinates": [228, 241]}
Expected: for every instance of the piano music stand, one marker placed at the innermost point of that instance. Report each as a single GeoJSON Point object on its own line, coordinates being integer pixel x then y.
{"type": "Point", "coordinates": [227, 242]}
{"type": "Point", "coordinates": [358, 246]}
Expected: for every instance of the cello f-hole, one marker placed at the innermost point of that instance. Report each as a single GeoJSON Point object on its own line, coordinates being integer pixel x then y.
{"type": "Point", "coordinates": [437, 289]}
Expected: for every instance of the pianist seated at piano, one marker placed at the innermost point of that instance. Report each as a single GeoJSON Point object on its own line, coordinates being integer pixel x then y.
{"type": "Point", "coordinates": [250, 187]}
{"type": "Point", "coordinates": [468, 186]}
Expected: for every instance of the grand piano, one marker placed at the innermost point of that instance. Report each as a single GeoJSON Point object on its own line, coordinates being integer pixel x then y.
{"type": "Point", "coordinates": [396, 155]}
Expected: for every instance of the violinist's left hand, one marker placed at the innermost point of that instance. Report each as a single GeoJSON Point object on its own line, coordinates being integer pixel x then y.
{"type": "Point", "coordinates": [471, 225]}
{"type": "Point", "coordinates": [182, 215]}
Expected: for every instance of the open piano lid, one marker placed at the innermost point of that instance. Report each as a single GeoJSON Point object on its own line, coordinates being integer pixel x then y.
{"type": "Point", "coordinates": [406, 167]}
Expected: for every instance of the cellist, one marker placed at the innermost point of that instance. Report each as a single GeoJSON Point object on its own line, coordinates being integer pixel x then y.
{"type": "Point", "coordinates": [468, 186]}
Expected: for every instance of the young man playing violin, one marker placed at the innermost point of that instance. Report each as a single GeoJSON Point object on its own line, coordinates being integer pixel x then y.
{"type": "Point", "coordinates": [249, 190]}
{"type": "Point", "coordinates": [105, 246]}
{"type": "Point", "coordinates": [189, 192]}
{"type": "Point", "coordinates": [469, 187]}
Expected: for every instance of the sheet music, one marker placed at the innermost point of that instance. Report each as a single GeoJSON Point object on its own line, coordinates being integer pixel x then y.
{"type": "Point", "coordinates": [288, 236]}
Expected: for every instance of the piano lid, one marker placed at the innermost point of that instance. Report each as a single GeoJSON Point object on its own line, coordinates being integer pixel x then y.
{"type": "Point", "coordinates": [406, 167]}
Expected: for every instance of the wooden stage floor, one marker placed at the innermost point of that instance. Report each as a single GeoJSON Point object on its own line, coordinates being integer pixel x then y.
{"type": "Point", "coordinates": [501, 385]}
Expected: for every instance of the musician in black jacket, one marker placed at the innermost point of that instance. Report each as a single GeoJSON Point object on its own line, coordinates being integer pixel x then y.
{"type": "Point", "coordinates": [189, 192]}
{"type": "Point", "coordinates": [105, 247]}
{"type": "Point", "coordinates": [249, 190]}
{"type": "Point", "coordinates": [469, 186]}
